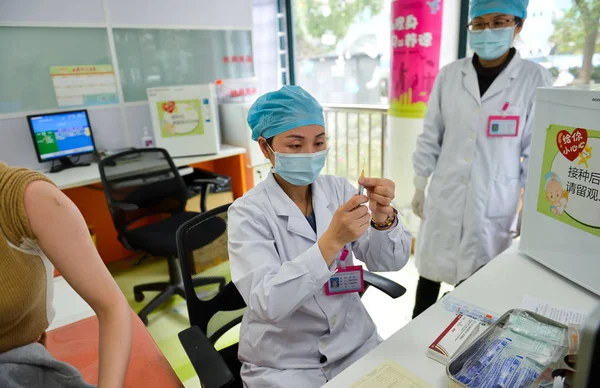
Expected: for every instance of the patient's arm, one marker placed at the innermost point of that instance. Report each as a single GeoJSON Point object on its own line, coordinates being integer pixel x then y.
{"type": "Point", "coordinates": [63, 236]}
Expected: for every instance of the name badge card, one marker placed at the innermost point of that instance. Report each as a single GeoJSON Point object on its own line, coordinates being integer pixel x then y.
{"type": "Point", "coordinates": [346, 280]}
{"type": "Point", "coordinates": [503, 126]}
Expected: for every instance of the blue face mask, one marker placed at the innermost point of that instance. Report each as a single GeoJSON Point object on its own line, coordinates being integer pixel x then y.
{"type": "Point", "coordinates": [491, 44]}
{"type": "Point", "coordinates": [299, 169]}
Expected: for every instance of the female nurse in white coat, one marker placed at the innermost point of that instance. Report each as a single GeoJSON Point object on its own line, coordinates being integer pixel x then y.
{"type": "Point", "coordinates": [475, 142]}
{"type": "Point", "coordinates": [296, 232]}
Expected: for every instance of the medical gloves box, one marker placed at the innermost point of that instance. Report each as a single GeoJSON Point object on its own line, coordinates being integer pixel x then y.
{"type": "Point", "coordinates": [460, 332]}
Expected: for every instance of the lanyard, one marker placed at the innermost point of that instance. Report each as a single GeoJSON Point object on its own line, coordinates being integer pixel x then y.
{"type": "Point", "coordinates": [341, 261]}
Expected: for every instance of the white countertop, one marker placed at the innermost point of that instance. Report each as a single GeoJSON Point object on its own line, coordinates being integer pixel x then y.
{"type": "Point", "coordinates": [499, 287]}
{"type": "Point", "coordinates": [89, 175]}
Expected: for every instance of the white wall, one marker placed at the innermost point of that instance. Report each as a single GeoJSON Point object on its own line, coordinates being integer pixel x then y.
{"type": "Point", "coordinates": [121, 125]}
{"type": "Point", "coordinates": [208, 13]}
{"type": "Point", "coordinates": [57, 11]}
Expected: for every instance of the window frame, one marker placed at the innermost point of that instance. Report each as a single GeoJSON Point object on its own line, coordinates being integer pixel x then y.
{"type": "Point", "coordinates": [287, 10]}
{"type": "Point", "coordinates": [463, 32]}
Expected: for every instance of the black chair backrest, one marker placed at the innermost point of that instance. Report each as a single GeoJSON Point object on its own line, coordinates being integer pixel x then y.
{"type": "Point", "coordinates": [202, 237]}
{"type": "Point", "coordinates": [141, 183]}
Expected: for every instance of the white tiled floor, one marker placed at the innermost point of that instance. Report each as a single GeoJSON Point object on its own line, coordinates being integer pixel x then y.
{"type": "Point", "coordinates": [390, 315]}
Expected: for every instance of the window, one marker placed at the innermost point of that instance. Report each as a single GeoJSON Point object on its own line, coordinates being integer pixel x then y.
{"type": "Point", "coordinates": [160, 57]}
{"type": "Point", "coordinates": [559, 36]}
{"type": "Point", "coordinates": [25, 81]}
{"type": "Point", "coordinates": [342, 49]}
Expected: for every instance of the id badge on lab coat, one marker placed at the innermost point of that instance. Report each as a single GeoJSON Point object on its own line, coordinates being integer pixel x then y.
{"type": "Point", "coordinates": [346, 279]}
{"type": "Point", "coordinates": [503, 126]}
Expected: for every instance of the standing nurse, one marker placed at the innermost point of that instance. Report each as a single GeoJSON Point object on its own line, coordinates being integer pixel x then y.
{"type": "Point", "coordinates": [475, 142]}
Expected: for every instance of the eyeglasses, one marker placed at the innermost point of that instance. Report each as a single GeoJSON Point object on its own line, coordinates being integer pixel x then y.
{"type": "Point", "coordinates": [477, 27]}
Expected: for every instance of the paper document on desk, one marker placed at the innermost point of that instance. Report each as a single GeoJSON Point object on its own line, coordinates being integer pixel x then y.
{"type": "Point", "coordinates": [390, 375]}
{"type": "Point", "coordinates": [553, 311]}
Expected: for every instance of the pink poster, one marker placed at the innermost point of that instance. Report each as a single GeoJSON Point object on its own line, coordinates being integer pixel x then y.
{"type": "Point", "coordinates": [416, 42]}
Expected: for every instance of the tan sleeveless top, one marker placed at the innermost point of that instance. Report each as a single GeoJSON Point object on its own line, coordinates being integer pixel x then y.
{"type": "Point", "coordinates": [25, 272]}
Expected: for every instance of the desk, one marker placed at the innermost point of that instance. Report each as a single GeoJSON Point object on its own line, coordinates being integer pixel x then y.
{"type": "Point", "coordinates": [499, 286]}
{"type": "Point", "coordinates": [90, 175]}
{"type": "Point", "coordinates": [73, 338]}
{"type": "Point", "coordinates": [82, 186]}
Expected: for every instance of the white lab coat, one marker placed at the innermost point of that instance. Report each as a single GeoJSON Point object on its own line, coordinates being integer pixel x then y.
{"type": "Point", "coordinates": [278, 268]}
{"type": "Point", "coordinates": [474, 193]}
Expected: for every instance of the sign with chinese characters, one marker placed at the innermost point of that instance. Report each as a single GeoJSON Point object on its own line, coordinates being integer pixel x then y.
{"type": "Point", "coordinates": [570, 183]}
{"type": "Point", "coordinates": [185, 119]}
{"type": "Point", "coordinates": [180, 118]}
{"type": "Point", "coordinates": [84, 85]}
{"type": "Point", "coordinates": [416, 42]}
{"type": "Point", "coordinates": [238, 59]}
{"type": "Point", "coordinates": [236, 90]}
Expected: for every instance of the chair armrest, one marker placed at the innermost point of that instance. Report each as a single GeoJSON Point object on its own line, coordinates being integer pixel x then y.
{"type": "Point", "coordinates": [390, 287]}
{"type": "Point", "coordinates": [125, 206]}
{"type": "Point", "coordinates": [206, 360]}
{"type": "Point", "coordinates": [200, 186]}
{"type": "Point", "coordinates": [203, 181]}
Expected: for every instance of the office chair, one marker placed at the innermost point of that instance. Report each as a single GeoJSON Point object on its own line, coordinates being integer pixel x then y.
{"type": "Point", "coordinates": [147, 197]}
{"type": "Point", "coordinates": [206, 234]}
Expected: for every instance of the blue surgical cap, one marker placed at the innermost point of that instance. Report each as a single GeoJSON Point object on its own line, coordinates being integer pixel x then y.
{"type": "Point", "coordinates": [516, 8]}
{"type": "Point", "coordinates": [288, 108]}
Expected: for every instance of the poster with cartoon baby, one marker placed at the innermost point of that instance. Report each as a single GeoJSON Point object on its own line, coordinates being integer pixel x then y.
{"type": "Point", "coordinates": [570, 180]}
{"type": "Point", "coordinates": [556, 194]}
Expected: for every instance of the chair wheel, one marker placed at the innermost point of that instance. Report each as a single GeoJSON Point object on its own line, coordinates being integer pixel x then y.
{"type": "Point", "coordinates": [138, 296]}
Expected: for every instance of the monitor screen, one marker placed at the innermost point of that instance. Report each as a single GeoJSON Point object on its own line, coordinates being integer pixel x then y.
{"type": "Point", "coordinates": [63, 134]}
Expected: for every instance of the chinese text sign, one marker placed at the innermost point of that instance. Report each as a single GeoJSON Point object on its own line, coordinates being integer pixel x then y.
{"type": "Point", "coordinates": [416, 42]}
{"type": "Point", "coordinates": [180, 118]}
{"type": "Point", "coordinates": [84, 85]}
{"type": "Point", "coordinates": [570, 182]}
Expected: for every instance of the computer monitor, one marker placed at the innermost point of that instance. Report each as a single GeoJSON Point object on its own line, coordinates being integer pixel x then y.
{"type": "Point", "coordinates": [58, 136]}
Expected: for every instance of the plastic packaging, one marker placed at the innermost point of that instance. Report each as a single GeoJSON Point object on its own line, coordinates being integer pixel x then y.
{"type": "Point", "coordinates": [513, 354]}
{"type": "Point", "coordinates": [480, 360]}
{"type": "Point", "coordinates": [470, 310]}
{"type": "Point", "coordinates": [525, 375]}
{"type": "Point", "coordinates": [573, 339]}
{"type": "Point", "coordinates": [542, 353]}
{"type": "Point", "coordinates": [499, 372]}
{"type": "Point", "coordinates": [502, 373]}
{"type": "Point", "coordinates": [523, 324]}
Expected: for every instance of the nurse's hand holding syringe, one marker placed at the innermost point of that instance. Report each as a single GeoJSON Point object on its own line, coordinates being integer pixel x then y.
{"type": "Point", "coordinates": [381, 193]}
{"type": "Point", "coordinates": [349, 222]}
